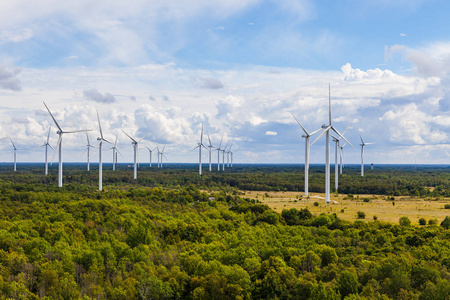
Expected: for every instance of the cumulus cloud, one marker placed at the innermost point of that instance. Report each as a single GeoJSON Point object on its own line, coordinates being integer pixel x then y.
{"type": "Point", "coordinates": [271, 132]}
{"type": "Point", "coordinates": [356, 74]}
{"type": "Point", "coordinates": [227, 106]}
{"type": "Point", "coordinates": [96, 96]}
{"type": "Point", "coordinates": [8, 78]}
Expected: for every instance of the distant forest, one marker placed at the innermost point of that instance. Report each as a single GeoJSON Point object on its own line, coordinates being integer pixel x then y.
{"type": "Point", "coordinates": [425, 181]}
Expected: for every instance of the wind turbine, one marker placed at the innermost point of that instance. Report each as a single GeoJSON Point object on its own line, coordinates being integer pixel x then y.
{"type": "Point", "coordinates": [199, 146]}
{"type": "Point", "coordinates": [60, 132]}
{"type": "Point", "coordinates": [231, 153]}
{"type": "Point", "coordinates": [326, 131]}
{"type": "Point", "coordinates": [136, 149]}
{"type": "Point", "coordinates": [162, 155]}
{"type": "Point", "coordinates": [46, 145]}
{"type": "Point", "coordinates": [223, 156]}
{"type": "Point", "coordinates": [149, 150]}
{"type": "Point", "coordinates": [210, 146]}
{"type": "Point", "coordinates": [115, 151]}
{"type": "Point", "coordinates": [15, 154]}
{"type": "Point", "coordinates": [87, 150]}
{"type": "Point", "coordinates": [336, 164]}
{"type": "Point", "coordinates": [362, 154]}
{"type": "Point", "coordinates": [341, 151]}
{"type": "Point", "coordinates": [307, 137]}
{"type": "Point", "coordinates": [100, 140]}
{"type": "Point", "coordinates": [218, 154]}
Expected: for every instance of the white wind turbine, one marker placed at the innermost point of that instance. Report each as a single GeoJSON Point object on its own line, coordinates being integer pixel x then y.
{"type": "Point", "coordinates": [307, 137]}
{"type": "Point", "coordinates": [362, 154]}
{"type": "Point", "coordinates": [231, 154]}
{"type": "Point", "coordinates": [100, 140]}
{"type": "Point", "coordinates": [15, 153]}
{"type": "Point", "coordinates": [326, 131]}
{"type": "Point", "coordinates": [223, 156]}
{"type": "Point", "coordinates": [218, 154]}
{"type": "Point", "coordinates": [162, 155]}
{"type": "Point", "coordinates": [210, 146]}
{"type": "Point", "coordinates": [46, 145]}
{"type": "Point", "coordinates": [199, 146]}
{"type": "Point", "coordinates": [341, 154]}
{"type": "Point", "coordinates": [88, 146]}
{"type": "Point", "coordinates": [60, 132]}
{"type": "Point", "coordinates": [136, 149]}
{"type": "Point", "coordinates": [115, 151]}
{"type": "Point", "coordinates": [337, 140]}
{"type": "Point", "coordinates": [151, 151]}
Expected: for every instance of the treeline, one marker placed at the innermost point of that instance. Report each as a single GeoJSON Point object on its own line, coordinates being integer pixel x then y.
{"type": "Point", "coordinates": [426, 181]}
{"type": "Point", "coordinates": [182, 243]}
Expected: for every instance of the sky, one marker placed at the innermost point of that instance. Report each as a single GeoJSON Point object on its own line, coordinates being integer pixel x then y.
{"type": "Point", "coordinates": [240, 68]}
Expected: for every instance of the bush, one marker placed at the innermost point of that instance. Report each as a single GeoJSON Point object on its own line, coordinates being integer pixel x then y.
{"type": "Point", "coordinates": [422, 221]}
{"type": "Point", "coordinates": [366, 200]}
{"type": "Point", "coordinates": [404, 221]}
{"type": "Point", "coordinates": [316, 203]}
{"type": "Point", "coordinates": [432, 222]}
{"type": "Point", "coordinates": [361, 215]}
{"type": "Point", "coordinates": [446, 222]}
{"type": "Point", "coordinates": [375, 218]}
{"type": "Point", "coordinates": [447, 206]}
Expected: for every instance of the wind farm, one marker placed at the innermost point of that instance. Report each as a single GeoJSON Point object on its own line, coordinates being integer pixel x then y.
{"type": "Point", "coordinates": [224, 150]}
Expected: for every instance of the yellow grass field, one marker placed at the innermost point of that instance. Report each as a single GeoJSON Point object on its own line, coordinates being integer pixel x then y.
{"type": "Point", "coordinates": [412, 207]}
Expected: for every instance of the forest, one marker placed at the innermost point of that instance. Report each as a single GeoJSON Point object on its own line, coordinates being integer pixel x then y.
{"type": "Point", "coordinates": [172, 234]}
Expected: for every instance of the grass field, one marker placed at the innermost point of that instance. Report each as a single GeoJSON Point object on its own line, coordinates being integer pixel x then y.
{"type": "Point", "coordinates": [346, 208]}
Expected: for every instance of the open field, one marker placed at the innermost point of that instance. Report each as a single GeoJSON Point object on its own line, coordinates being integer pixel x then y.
{"type": "Point", "coordinates": [412, 207]}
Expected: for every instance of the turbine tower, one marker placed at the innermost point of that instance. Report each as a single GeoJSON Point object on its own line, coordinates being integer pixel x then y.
{"type": "Point", "coordinates": [341, 151]}
{"type": "Point", "coordinates": [307, 137]}
{"type": "Point", "coordinates": [88, 150]}
{"type": "Point", "coordinates": [15, 154]}
{"type": "Point", "coordinates": [135, 143]}
{"type": "Point", "coordinates": [115, 151]}
{"type": "Point", "coordinates": [326, 131]}
{"type": "Point", "coordinates": [60, 132]}
{"type": "Point", "coordinates": [162, 155]}
{"type": "Point", "coordinates": [336, 164]}
{"type": "Point", "coordinates": [46, 145]}
{"type": "Point", "coordinates": [199, 146]}
{"type": "Point", "coordinates": [100, 140]}
{"type": "Point", "coordinates": [362, 153]}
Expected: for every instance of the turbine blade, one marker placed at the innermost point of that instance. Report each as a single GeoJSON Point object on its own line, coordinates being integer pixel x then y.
{"type": "Point", "coordinates": [144, 136]}
{"type": "Point", "coordinates": [99, 126]}
{"type": "Point", "coordinates": [315, 131]}
{"type": "Point", "coordinates": [56, 148]}
{"type": "Point", "coordinates": [117, 136]}
{"type": "Point", "coordinates": [329, 100]}
{"type": "Point", "coordinates": [54, 120]}
{"type": "Point", "coordinates": [220, 142]}
{"type": "Point", "coordinates": [48, 136]}
{"type": "Point", "coordinates": [75, 131]}
{"type": "Point", "coordinates": [362, 142]}
{"type": "Point", "coordinates": [84, 152]}
{"type": "Point", "coordinates": [129, 136]}
{"type": "Point", "coordinates": [335, 130]}
{"type": "Point", "coordinates": [87, 138]}
{"type": "Point", "coordinates": [304, 130]}
{"type": "Point", "coordinates": [209, 139]}
{"type": "Point", "coordinates": [348, 127]}
{"type": "Point", "coordinates": [325, 130]}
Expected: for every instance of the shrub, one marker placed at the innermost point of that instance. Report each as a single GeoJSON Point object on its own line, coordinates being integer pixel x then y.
{"type": "Point", "coordinates": [316, 203]}
{"type": "Point", "coordinates": [447, 206]}
{"type": "Point", "coordinates": [432, 222]}
{"type": "Point", "coordinates": [366, 200]}
{"type": "Point", "coordinates": [404, 221]}
{"type": "Point", "coordinates": [375, 218]}
{"type": "Point", "coordinates": [361, 215]}
{"type": "Point", "coordinates": [446, 222]}
{"type": "Point", "coordinates": [422, 221]}
{"type": "Point", "coordinates": [342, 210]}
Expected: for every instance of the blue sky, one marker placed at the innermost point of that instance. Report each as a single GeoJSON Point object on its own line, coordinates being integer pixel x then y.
{"type": "Point", "coordinates": [238, 67]}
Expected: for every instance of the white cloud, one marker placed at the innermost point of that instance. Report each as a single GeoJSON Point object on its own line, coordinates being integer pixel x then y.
{"type": "Point", "coordinates": [96, 96]}
{"type": "Point", "coordinates": [271, 132]}
{"type": "Point", "coordinates": [8, 78]}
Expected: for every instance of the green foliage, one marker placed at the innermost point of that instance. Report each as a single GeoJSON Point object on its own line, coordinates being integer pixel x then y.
{"type": "Point", "coordinates": [422, 221]}
{"type": "Point", "coordinates": [316, 203]}
{"type": "Point", "coordinates": [162, 238]}
{"type": "Point", "coordinates": [446, 222]}
{"type": "Point", "coordinates": [404, 221]}
{"type": "Point", "coordinates": [361, 215]}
